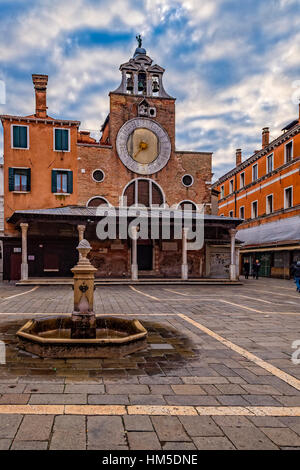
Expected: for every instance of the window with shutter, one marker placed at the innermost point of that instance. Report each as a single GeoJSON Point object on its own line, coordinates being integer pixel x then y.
{"type": "Point", "coordinates": [19, 179]}
{"type": "Point", "coordinates": [20, 137]}
{"type": "Point", "coordinates": [62, 181]}
{"type": "Point", "coordinates": [61, 140]}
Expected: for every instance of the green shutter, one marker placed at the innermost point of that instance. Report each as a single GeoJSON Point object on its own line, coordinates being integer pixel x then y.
{"type": "Point", "coordinates": [70, 182]}
{"type": "Point", "coordinates": [23, 136]}
{"type": "Point", "coordinates": [11, 180]}
{"type": "Point", "coordinates": [58, 142]}
{"type": "Point", "coordinates": [16, 136]}
{"type": "Point", "coordinates": [65, 139]}
{"type": "Point", "coordinates": [54, 181]}
{"type": "Point", "coordinates": [28, 172]}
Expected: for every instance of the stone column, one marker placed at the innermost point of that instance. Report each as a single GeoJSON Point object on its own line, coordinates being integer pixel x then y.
{"type": "Point", "coordinates": [232, 270]}
{"type": "Point", "coordinates": [184, 266]}
{"type": "Point", "coordinates": [81, 230]}
{"type": "Point", "coordinates": [24, 265]}
{"type": "Point", "coordinates": [134, 265]}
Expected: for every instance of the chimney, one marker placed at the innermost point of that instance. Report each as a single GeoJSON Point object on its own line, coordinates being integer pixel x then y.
{"type": "Point", "coordinates": [238, 157]}
{"type": "Point", "coordinates": [265, 137]}
{"type": "Point", "coordinates": [40, 87]}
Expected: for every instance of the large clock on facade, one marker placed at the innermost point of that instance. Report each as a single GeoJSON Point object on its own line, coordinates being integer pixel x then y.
{"type": "Point", "coordinates": [143, 146]}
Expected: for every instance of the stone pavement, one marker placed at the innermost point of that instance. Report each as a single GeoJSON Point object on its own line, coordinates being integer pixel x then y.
{"type": "Point", "coordinates": [217, 373]}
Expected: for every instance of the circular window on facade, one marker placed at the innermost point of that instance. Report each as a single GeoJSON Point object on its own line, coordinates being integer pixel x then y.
{"type": "Point", "coordinates": [187, 180]}
{"type": "Point", "coordinates": [98, 175]}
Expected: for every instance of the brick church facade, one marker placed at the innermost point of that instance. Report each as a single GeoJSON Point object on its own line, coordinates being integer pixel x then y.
{"type": "Point", "coordinates": [56, 177]}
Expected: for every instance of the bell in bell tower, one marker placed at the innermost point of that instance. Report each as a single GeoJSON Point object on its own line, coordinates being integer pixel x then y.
{"type": "Point", "coordinates": [140, 77]}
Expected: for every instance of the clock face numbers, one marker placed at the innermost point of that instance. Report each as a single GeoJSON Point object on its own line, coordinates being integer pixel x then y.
{"type": "Point", "coordinates": [143, 146]}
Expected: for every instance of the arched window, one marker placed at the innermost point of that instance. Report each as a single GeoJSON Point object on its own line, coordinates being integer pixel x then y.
{"type": "Point", "coordinates": [143, 191]}
{"type": "Point", "coordinates": [97, 201]}
{"type": "Point", "coordinates": [187, 205]}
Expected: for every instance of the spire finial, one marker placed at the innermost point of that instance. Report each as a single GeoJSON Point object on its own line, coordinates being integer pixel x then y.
{"type": "Point", "coordinates": [139, 40]}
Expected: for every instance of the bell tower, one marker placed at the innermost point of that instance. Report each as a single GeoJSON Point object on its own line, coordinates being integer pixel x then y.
{"type": "Point", "coordinates": [141, 94]}
{"type": "Point", "coordinates": [140, 77]}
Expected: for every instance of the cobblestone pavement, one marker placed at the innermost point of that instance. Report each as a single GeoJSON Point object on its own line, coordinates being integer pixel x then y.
{"type": "Point", "coordinates": [217, 373]}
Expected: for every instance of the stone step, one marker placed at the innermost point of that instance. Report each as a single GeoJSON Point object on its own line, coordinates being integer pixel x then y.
{"type": "Point", "coordinates": [119, 282]}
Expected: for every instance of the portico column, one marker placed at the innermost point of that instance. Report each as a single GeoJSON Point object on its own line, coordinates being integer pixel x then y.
{"type": "Point", "coordinates": [134, 265]}
{"type": "Point", "coordinates": [184, 266]}
{"type": "Point", "coordinates": [232, 257]}
{"type": "Point", "coordinates": [24, 265]}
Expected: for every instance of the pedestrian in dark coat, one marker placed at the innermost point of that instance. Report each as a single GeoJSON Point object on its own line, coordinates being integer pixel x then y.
{"type": "Point", "coordinates": [255, 269]}
{"type": "Point", "coordinates": [297, 275]}
{"type": "Point", "coordinates": [246, 268]}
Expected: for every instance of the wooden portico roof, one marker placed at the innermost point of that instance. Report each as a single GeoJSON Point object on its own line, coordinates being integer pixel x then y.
{"type": "Point", "coordinates": [75, 214]}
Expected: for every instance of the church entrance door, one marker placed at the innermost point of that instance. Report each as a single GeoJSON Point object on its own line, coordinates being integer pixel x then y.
{"type": "Point", "coordinates": [145, 255]}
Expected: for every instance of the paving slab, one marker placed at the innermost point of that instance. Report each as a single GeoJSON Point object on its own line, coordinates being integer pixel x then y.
{"type": "Point", "coordinates": [106, 432]}
{"type": "Point", "coordinates": [69, 433]}
{"type": "Point", "coordinates": [35, 428]}
{"type": "Point", "coordinates": [169, 428]}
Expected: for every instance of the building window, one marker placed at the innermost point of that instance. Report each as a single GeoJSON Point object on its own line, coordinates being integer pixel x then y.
{"type": "Point", "coordinates": [62, 181]}
{"type": "Point", "coordinates": [242, 212]}
{"type": "Point", "coordinates": [231, 186]}
{"type": "Point", "coordinates": [270, 165]}
{"type": "Point", "coordinates": [98, 176]}
{"type": "Point", "coordinates": [187, 205]}
{"type": "Point", "coordinates": [242, 180]}
{"type": "Point", "coordinates": [230, 213]}
{"type": "Point", "coordinates": [254, 172]}
{"type": "Point", "coordinates": [19, 179]}
{"type": "Point", "coordinates": [187, 180]}
{"type": "Point", "coordinates": [142, 191]}
{"type": "Point", "coordinates": [61, 140]}
{"type": "Point", "coordinates": [254, 210]}
{"type": "Point", "coordinates": [97, 201]}
{"type": "Point", "coordinates": [20, 137]}
{"type": "Point", "coordinates": [288, 197]}
{"type": "Point", "coordinates": [269, 204]}
{"type": "Point", "coordinates": [222, 192]}
{"type": "Point", "coordinates": [289, 151]}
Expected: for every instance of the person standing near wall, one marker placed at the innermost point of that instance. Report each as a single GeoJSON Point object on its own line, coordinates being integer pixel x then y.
{"type": "Point", "coordinates": [255, 269]}
{"type": "Point", "coordinates": [246, 268]}
{"type": "Point", "coordinates": [297, 275]}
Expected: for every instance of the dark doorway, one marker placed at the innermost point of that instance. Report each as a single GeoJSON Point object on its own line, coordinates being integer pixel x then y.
{"type": "Point", "coordinates": [144, 257]}
{"type": "Point", "coordinates": [15, 266]}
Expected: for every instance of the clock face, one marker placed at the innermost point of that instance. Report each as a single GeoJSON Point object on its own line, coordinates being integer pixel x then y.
{"type": "Point", "coordinates": [143, 146]}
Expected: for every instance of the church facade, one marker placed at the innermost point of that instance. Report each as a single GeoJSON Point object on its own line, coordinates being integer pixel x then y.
{"type": "Point", "coordinates": [59, 183]}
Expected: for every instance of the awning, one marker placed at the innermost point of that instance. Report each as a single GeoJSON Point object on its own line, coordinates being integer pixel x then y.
{"type": "Point", "coordinates": [280, 232]}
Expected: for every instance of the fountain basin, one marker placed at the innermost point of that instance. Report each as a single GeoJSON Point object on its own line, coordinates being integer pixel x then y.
{"type": "Point", "coordinates": [51, 337]}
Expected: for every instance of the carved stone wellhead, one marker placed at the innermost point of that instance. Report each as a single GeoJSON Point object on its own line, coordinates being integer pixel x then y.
{"type": "Point", "coordinates": [83, 316]}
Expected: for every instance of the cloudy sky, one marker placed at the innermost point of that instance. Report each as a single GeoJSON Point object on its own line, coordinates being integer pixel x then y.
{"type": "Point", "coordinates": [234, 66]}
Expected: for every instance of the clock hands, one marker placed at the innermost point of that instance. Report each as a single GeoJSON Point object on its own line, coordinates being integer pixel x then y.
{"type": "Point", "coordinates": [142, 146]}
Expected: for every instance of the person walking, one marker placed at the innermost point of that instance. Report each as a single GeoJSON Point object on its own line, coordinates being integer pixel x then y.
{"type": "Point", "coordinates": [255, 269]}
{"type": "Point", "coordinates": [297, 275]}
{"type": "Point", "coordinates": [246, 268]}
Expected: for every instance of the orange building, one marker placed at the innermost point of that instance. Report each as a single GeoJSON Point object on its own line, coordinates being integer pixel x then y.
{"type": "Point", "coordinates": [56, 177]}
{"type": "Point", "coordinates": [264, 191]}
